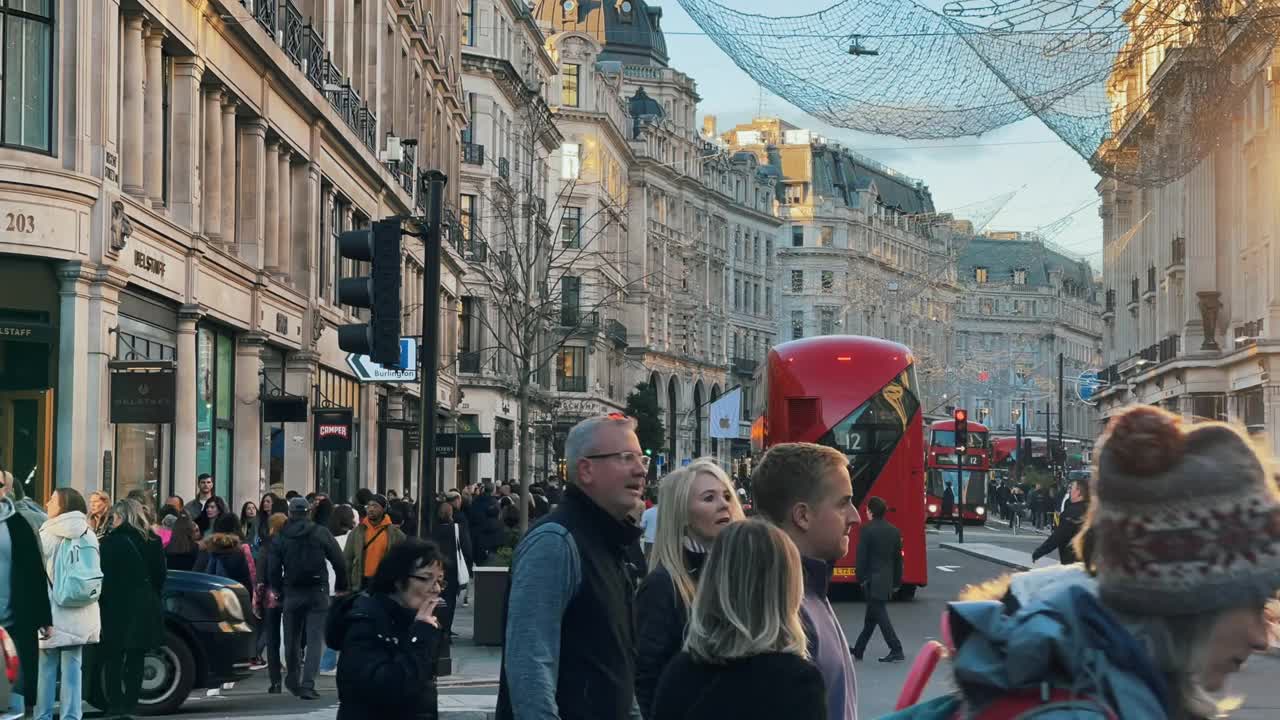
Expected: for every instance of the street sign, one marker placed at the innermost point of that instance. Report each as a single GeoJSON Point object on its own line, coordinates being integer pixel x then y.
{"type": "Point", "coordinates": [369, 371]}
{"type": "Point", "coordinates": [1087, 385]}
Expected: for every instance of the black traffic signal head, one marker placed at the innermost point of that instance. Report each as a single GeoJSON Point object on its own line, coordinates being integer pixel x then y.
{"type": "Point", "coordinates": [378, 245]}
{"type": "Point", "coordinates": [962, 428]}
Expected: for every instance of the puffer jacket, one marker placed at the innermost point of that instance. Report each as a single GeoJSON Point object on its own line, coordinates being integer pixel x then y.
{"type": "Point", "coordinates": [71, 625]}
{"type": "Point", "coordinates": [386, 669]}
{"type": "Point", "coordinates": [235, 558]}
{"type": "Point", "coordinates": [661, 620]}
{"type": "Point", "coordinates": [1051, 631]}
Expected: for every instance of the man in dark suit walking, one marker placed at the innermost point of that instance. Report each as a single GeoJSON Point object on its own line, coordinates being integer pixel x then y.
{"type": "Point", "coordinates": [879, 570]}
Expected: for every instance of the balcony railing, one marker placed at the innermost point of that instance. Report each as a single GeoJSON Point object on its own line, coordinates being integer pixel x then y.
{"type": "Point", "coordinates": [469, 362]}
{"type": "Point", "coordinates": [572, 384]}
{"type": "Point", "coordinates": [294, 30]}
{"type": "Point", "coordinates": [264, 11]}
{"type": "Point", "coordinates": [317, 65]}
{"type": "Point", "coordinates": [1248, 333]}
{"type": "Point", "coordinates": [367, 128]}
{"type": "Point", "coordinates": [745, 366]}
{"type": "Point", "coordinates": [1170, 348]}
{"type": "Point", "coordinates": [1179, 251]}
{"type": "Point", "coordinates": [616, 331]}
{"type": "Point", "coordinates": [472, 154]}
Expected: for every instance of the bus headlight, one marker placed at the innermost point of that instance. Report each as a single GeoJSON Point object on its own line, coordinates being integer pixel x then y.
{"type": "Point", "coordinates": [981, 510]}
{"type": "Point", "coordinates": [933, 508]}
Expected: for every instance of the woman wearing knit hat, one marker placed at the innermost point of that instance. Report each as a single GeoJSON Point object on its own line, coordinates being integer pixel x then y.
{"type": "Point", "coordinates": [1184, 534]}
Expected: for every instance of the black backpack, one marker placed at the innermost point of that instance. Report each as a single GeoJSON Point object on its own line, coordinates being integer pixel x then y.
{"type": "Point", "coordinates": [304, 560]}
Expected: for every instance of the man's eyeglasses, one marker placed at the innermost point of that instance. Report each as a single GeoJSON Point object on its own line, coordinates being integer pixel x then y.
{"type": "Point", "coordinates": [626, 457]}
{"type": "Point", "coordinates": [432, 580]}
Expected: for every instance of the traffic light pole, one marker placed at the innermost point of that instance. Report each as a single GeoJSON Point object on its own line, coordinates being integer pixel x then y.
{"type": "Point", "coordinates": [429, 353]}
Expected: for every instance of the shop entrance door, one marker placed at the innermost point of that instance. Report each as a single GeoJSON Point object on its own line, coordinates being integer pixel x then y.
{"type": "Point", "coordinates": [26, 440]}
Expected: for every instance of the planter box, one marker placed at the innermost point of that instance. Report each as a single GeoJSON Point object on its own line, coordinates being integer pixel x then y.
{"type": "Point", "coordinates": [490, 596]}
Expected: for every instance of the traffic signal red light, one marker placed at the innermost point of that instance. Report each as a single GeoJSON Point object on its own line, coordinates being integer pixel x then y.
{"type": "Point", "coordinates": [962, 428]}
{"type": "Point", "coordinates": [961, 416]}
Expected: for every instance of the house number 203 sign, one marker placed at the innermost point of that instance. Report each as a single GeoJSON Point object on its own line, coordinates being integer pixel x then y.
{"type": "Point", "coordinates": [19, 222]}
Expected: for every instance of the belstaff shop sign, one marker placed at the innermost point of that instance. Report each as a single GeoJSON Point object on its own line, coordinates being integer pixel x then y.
{"type": "Point", "coordinates": [143, 392]}
{"type": "Point", "coordinates": [333, 429]}
{"type": "Point", "coordinates": [25, 332]}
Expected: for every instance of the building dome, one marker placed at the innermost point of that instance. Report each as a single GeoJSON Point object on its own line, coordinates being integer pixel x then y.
{"type": "Point", "coordinates": [629, 30]}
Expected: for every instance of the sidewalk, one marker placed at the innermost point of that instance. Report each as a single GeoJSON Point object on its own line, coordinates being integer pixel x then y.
{"type": "Point", "coordinates": [475, 670]}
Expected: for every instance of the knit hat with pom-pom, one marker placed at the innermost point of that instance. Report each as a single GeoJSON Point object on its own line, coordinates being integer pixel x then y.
{"type": "Point", "coordinates": [1186, 518]}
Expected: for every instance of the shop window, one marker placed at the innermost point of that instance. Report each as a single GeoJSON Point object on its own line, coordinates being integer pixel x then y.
{"type": "Point", "coordinates": [143, 453]}
{"type": "Point", "coordinates": [273, 434]}
{"type": "Point", "coordinates": [215, 390]}
{"type": "Point", "coordinates": [338, 472]}
{"type": "Point", "coordinates": [26, 74]}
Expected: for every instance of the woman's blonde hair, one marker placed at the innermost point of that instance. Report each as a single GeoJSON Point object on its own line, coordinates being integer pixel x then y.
{"type": "Point", "coordinates": [748, 601]}
{"type": "Point", "coordinates": [674, 493]}
{"type": "Point", "coordinates": [129, 512]}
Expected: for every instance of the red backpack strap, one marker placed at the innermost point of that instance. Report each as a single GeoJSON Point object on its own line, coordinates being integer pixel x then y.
{"type": "Point", "coordinates": [1019, 705]}
{"type": "Point", "coordinates": [918, 676]}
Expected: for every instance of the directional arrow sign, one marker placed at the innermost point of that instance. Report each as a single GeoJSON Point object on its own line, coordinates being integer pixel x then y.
{"type": "Point", "coordinates": [369, 371]}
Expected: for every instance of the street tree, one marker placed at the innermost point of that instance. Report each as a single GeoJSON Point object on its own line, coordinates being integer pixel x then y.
{"type": "Point", "coordinates": [549, 272]}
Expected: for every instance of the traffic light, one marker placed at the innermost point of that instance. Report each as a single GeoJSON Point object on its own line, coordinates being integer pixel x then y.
{"type": "Point", "coordinates": [962, 428]}
{"type": "Point", "coordinates": [378, 245]}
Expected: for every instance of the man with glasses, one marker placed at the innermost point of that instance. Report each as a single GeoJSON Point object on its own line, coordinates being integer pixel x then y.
{"type": "Point", "coordinates": [569, 650]}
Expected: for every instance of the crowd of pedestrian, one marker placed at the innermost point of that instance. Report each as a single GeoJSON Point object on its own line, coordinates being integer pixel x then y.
{"type": "Point", "coordinates": [1169, 554]}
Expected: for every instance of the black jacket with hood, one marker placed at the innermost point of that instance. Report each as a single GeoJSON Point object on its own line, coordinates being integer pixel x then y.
{"type": "Point", "coordinates": [300, 530]}
{"type": "Point", "coordinates": [661, 619]}
{"type": "Point", "coordinates": [386, 670]}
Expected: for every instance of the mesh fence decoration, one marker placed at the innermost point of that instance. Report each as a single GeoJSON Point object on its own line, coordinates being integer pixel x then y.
{"type": "Point", "coordinates": [1142, 89]}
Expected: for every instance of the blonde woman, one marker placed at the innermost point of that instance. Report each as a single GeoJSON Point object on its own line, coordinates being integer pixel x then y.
{"type": "Point", "coordinates": [745, 656]}
{"type": "Point", "coordinates": [695, 503]}
{"type": "Point", "coordinates": [99, 506]}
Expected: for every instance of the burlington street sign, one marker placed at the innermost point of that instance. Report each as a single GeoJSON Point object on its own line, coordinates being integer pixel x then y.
{"type": "Point", "coordinates": [369, 371]}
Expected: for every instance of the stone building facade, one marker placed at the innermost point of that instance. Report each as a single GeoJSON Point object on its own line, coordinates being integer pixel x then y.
{"type": "Point", "coordinates": [1023, 303]}
{"type": "Point", "coordinates": [175, 181]}
{"type": "Point", "coordinates": [1192, 303]}
{"type": "Point", "coordinates": [686, 201]}
{"type": "Point", "coordinates": [862, 249]}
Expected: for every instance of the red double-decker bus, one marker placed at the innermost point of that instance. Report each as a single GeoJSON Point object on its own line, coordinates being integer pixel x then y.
{"type": "Point", "coordinates": [967, 473]}
{"type": "Point", "coordinates": [858, 395]}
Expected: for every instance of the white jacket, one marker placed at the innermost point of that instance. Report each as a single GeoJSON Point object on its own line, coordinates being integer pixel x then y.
{"type": "Point", "coordinates": [71, 626]}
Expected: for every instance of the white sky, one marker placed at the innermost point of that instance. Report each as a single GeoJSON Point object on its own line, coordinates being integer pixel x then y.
{"type": "Point", "coordinates": [960, 172]}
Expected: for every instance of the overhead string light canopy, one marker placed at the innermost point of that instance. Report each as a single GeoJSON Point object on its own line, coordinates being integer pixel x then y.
{"type": "Point", "coordinates": [1142, 89]}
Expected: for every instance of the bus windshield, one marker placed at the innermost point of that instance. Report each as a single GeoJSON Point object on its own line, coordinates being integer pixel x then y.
{"type": "Point", "coordinates": [947, 438]}
{"type": "Point", "coordinates": [870, 433]}
{"type": "Point", "coordinates": [968, 486]}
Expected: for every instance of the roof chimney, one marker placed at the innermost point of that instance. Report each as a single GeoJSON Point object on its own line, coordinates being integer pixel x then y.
{"type": "Point", "coordinates": [709, 126]}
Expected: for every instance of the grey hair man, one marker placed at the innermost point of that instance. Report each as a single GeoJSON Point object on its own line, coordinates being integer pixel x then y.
{"type": "Point", "coordinates": [570, 603]}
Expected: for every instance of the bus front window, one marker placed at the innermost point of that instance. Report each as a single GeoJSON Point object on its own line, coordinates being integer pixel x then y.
{"type": "Point", "coordinates": [869, 434]}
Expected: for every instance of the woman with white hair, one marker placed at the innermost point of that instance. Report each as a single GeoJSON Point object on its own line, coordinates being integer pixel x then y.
{"type": "Point", "coordinates": [745, 656]}
{"type": "Point", "coordinates": [695, 503]}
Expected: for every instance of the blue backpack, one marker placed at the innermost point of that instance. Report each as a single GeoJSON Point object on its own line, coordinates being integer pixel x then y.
{"type": "Point", "coordinates": [77, 572]}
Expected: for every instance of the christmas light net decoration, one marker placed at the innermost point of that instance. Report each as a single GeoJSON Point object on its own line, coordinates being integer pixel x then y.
{"type": "Point", "coordinates": [1143, 89]}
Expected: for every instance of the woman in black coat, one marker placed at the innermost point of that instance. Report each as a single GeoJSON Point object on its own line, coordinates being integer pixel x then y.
{"type": "Point", "coordinates": [389, 638]}
{"type": "Point", "coordinates": [133, 574]}
{"type": "Point", "coordinates": [451, 537]}
{"type": "Point", "coordinates": [756, 666]}
{"type": "Point", "coordinates": [695, 504]}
